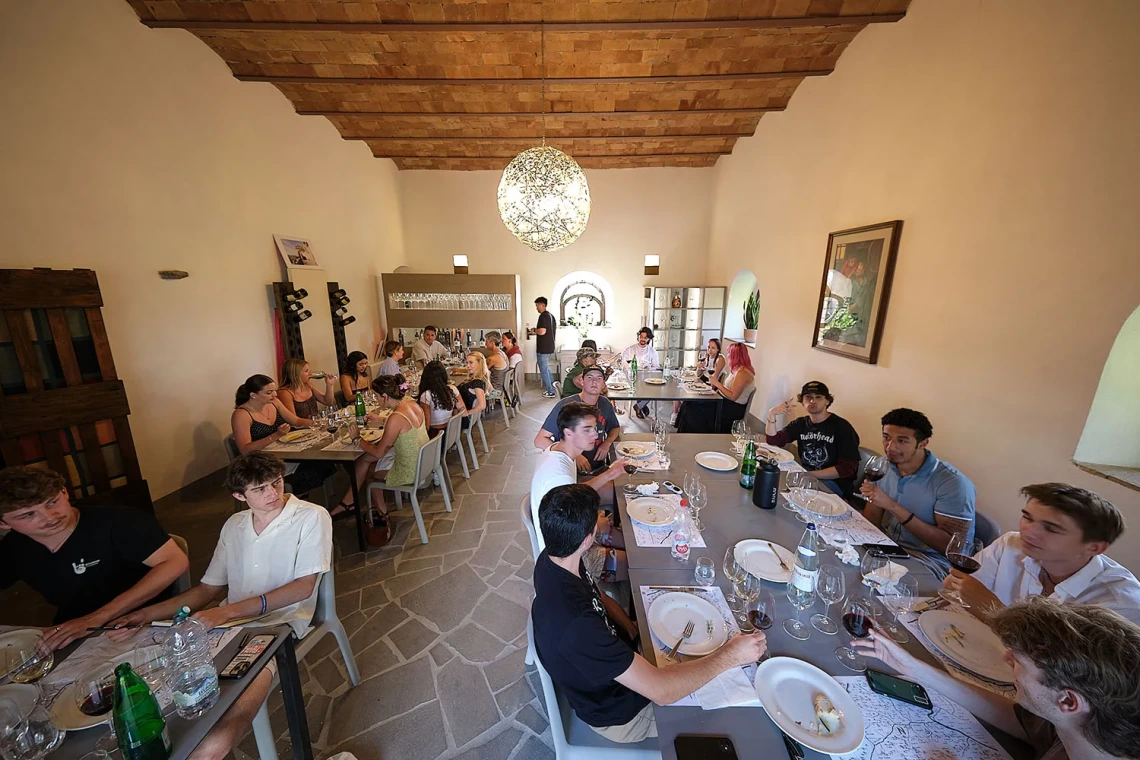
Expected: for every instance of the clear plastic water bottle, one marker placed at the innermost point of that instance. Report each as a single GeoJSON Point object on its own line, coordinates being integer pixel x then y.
{"type": "Point", "coordinates": [190, 672]}
{"type": "Point", "coordinates": [681, 534]}
{"type": "Point", "coordinates": [806, 568]}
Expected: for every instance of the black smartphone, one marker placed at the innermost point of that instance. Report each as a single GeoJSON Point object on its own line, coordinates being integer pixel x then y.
{"type": "Point", "coordinates": [690, 747]}
{"type": "Point", "coordinates": [897, 688]}
{"type": "Point", "coordinates": [244, 659]}
{"type": "Point", "coordinates": [894, 552]}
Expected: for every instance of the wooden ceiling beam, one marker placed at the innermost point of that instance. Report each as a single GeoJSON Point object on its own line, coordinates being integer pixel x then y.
{"type": "Point", "coordinates": [576, 157]}
{"type": "Point", "coordinates": [508, 26]}
{"type": "Point", "coordinates": [551, 138]}
{"type": "Point", "coordinates": [537, 81]}
{"type": "Point", "coordinates": [538, 114]}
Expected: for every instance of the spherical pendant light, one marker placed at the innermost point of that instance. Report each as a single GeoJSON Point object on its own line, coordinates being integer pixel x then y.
{"type": "Point", "coordinates": [544, 199]}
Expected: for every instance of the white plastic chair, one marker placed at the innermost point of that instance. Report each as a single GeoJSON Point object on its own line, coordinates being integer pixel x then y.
{"type": "Point", "coordinates": [427, 462]}
{"type": "Point", "coordinates": [476, 421]}
{"type": "Point", "coordinates": [532, 531]}
{"type": "Point", "coordinates": [510, 389]}
{"type": "Point", "coordinates": [500, 396]}
{"type": "Point", "coordinates": [574, 740]}
{"type": "Point", "coordinates": [452, 440]}
{"type": "Point", "coordinates": [325, 621]}
{"type": "Point", "coordinates": [516, 378]}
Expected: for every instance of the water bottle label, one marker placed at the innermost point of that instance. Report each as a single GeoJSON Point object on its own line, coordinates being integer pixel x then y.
{"type": "Point", "coordinates": [804, 580]}
{"type": "Point", "coordinates": [806, 552]}
{"type": "Point", "coordinates": [188, 699]}
{"type": "Point", "coordinates": [681, 548]}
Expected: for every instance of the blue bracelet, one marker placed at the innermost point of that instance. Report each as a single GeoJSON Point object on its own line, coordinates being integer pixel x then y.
{"type": "Point", "coordinates": [263, 604]}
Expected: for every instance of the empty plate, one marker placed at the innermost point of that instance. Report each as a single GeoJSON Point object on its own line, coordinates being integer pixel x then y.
{"type": "Point", "coordinates": [654, 381]}
{"type": "Point", "coordinates": [787, 689]}
{"type": "Point", "coordinates": [669, 614]}
{"type": "Point", "coordinates": [762, 559]}
{"type": "Point", "coordinates": [651, 511]}
{"type": "Point", "coordinates": [634, 450]}
{"type": "Point", "coordinates": [714, 460]}
{"type": "Point", "coordinates": [822, 504]}
{"type": "Point", "coordinates": [968, 642]}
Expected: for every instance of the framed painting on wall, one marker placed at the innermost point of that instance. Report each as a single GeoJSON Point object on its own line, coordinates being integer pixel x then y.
{"type": "Point", "coordinates": [852, 307]}
{"type": "Point", "coordinates": [297, 253]}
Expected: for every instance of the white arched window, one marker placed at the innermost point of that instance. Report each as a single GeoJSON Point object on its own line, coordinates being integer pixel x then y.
{"type": "Point", "coordinates": [582, 300]}
{"type": "Point", "coordinates": [1109, 440]}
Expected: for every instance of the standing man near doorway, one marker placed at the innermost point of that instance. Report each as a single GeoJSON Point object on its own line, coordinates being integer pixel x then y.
{"type": "Point", "coordinates": [544, 344]}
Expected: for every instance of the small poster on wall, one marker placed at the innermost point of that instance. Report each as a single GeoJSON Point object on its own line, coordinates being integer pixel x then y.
{"type": "Point", "coordinates": [297, 253]}
{"type": "Point", "coordinates": [856, 286]}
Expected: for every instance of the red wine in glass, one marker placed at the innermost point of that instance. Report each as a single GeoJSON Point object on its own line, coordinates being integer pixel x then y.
{"type": "Point", "coordinates": [874, 477]}
{"type": "Point", "coordinates": [964, 563]}
{"type": "Point", "coordinates": [99, 702]}
{"type": "Point", "coordinates": [858, 624]}
{"type": "Point", "coordinates": [759, 620]}
{"type": "Point", "coordinates": [630, 468]}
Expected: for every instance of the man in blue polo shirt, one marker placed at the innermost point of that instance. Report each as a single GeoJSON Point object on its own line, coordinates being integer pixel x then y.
{"type": "Point", "coordinates": [922, 501]}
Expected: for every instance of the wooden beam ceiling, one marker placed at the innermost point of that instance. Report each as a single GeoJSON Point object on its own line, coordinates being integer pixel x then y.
{"type": "Point", "coordinates": [462, 85]}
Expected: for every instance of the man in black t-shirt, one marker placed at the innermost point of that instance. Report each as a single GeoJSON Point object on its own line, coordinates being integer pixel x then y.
{"type": "Point", "coordinates": [829, 446]}
{"type": "Point", "coordinates": [585, 640]}
{"type": "Point", "coordinates": [544, 344]}
{"type": "Point", "coordinates": [93, 565]}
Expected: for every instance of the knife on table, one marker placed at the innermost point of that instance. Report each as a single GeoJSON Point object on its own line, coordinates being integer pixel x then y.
{"type": "Point", "coordinates": [795, 751]}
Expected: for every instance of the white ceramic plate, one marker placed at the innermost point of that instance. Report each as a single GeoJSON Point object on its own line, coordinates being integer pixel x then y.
{"type": "Point", "coordinates": [22, 639]}
{"type": "Point", "coordinates": [670, 612]}
{"type": "Point", "coordinates": [654, 381]}
{"type": "Point", "coordinates": [980, 650]}
{"type": "Point", "coordinates": [23, 694]}
{"type": "Point", "coordinates": [297, 435]}
{"type": "Point", "coordinates": [824, 504]}
{"type": "Point", "coordinates": [714, 460]}
{"type": "Point", "coordinates": [67, 716]}
{"type": "Point", "coordinates": [775, 452]}
{"type": "Point", "coordinates": [787, 688]}
{"type": "Point", "coordinates": [700, 388]}
{"type": "Point", "coordinates": [634, 450]}
{"type": "Point", "coordinates": [757, 557]}
{"type": "Point", "coordinates": [650, 510]}
{"type": "Point", "coordinates": [618, 386]}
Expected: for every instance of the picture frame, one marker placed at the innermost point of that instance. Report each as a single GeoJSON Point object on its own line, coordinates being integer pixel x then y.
{"type": "Point", "coordinates": [296, 252]}
{"type": "Point", "coordinates": [858, 268]}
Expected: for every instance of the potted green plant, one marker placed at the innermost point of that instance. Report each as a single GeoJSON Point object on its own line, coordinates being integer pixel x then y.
{"type": "Point", "coordinates": [751, 316]}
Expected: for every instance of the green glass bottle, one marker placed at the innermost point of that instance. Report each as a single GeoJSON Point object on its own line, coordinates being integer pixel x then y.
{"type": "Point", "coordinates": [633, 369]}
{"type": "Point", "coordinates": [361, 410]}
{"type": "Point", "coordinates": [139, 726]}
{"type": "Point", "coordinates": [748, 466]}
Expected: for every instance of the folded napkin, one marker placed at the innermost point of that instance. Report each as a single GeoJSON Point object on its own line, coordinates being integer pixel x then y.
{"type": "Point", "coordinates": [732, 688]}
{"type": "Point", "coordinates": [885, 578]}
{"type": "Point", "coordinates": [648, 489]}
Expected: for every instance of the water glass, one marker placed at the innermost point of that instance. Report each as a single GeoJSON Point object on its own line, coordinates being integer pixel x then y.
{"type": "Point", "coordinates": [705, 571]}
{"type": "Point", "coordinates": [747, 589]}
{"type": "Point", "coordinates": [830, 587]}
{"type": "Point", "coordinates": [801, 601]}
{"type": "Point", "coordinates": [733, 571]}
{"type": "Point", "coordinates": [901, 593]}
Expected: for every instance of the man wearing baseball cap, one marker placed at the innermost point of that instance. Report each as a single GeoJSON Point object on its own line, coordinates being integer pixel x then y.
{"type": "Point", "coordinates": [609, 428]}
{"type": "Point", "coordinates": [828, 444]}
{"type": "Point", "coordinates": [587, 357]}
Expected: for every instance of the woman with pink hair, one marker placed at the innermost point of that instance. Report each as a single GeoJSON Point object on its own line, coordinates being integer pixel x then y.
{"type": "Point", "coordinates": [735, 390]}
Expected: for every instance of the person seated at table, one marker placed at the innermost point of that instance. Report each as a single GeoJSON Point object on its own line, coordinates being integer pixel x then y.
{"type": "Point", "coordinates": [497, 363]}
{"type": "Point", "coordinates": [700, 416]}
{"type": "Point", "coordinates": [395, 456]}
{"type": "Point", "coordinates": [608, 427]}
{"type": "Point", "coordinates": [922, 501]}
{"type": "Point", "coordinates": [712, 366]}
{"type": "Point", "coordinates": [511, 347]}
{"type": "Point", "coordinates": [267, 563]}
{"type": "Point", "coordinates": [393, 355]}
{"type": "Point", "coordinates": [297, 392]}
{"type": "Point", "coordinates": [474, 389]}
{"type": "Point", "coordinates": [1058, 552]}
{"type": "Point", "coordinates": [92, 565]}
{"type": "Point", "coordinates": [355, 376]}
{"type": "Point", "coordinates": [647, 361]}
{"type": "Point", "coordinates": [572, 383]}
{"type": "Point", "coordinates": [427, 348]}
{"type": "Point", "coordinates": [586, 641]}
{"type": "Point", "coordinates": [1074, 666]}
{"type": "Point", "coordinates": [260, 419]}
{"type": "Point", "coordinates": [828, 444]}
{"type": "Point", "coordinates": [439, 399]}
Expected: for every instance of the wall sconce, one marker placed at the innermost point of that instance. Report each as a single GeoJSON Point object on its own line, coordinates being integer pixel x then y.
{"type": "Point", "coordinates": [459, 264]}
{"type": "Point", "coordinates": [652, 264]}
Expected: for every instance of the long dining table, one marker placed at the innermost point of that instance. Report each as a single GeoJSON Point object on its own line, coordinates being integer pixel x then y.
{"type": "Point", "coordinates": [728, 517]}
{"type": "Point", "coordinates": [673, 389]}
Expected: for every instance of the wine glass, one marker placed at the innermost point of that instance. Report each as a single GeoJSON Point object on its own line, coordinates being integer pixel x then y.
{"type": "Point", "coordinates": [901, 593]}
{"type": "Point", "coordinates": [800, 485]}
{"type": "Point", "coordinates": [705, 571]}
{"type": "Point", "coordinates": [697, 499]}
{"type": "Point", "coordinates": [733, 571]}
{"type": "Point", "coordinates": [747, 590]}
{"type": "Point", "coordinates": [857, 617]}
{"type": "Point", "coordinates": [830, 587]}
{"type": "Point", "coordinates": [870, 566]}
{"type": "Point", "coordinates": [24, 662]}
{"type": "Point", "coordinates": [761, 610]}
{"type": "Point", "coordinates": [27, 734]}
{"type": "Point", "coordinates": [960, 551]}
{"type": "Point", "coordinates": [630, 467]}
{"type": "Point", "coordinates": [801, 599]}
{"type": "Point", "coordinates": [874, 471]}
{"type": "Point", "coordinates": [739, 429]}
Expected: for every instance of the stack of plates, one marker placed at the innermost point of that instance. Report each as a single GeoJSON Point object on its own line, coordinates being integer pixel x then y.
{"type": "Point", "coordinates": [967, 642]}
{"type": "Point", "coordinates": [821, 506]}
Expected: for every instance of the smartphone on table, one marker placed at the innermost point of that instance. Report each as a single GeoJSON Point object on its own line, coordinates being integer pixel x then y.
{"type": "Point", "coordinates": [897, 688]}
{"type": "Point", "coordinates": [894, 552]}
{"type": "Point", "coordinates": [691, 747]}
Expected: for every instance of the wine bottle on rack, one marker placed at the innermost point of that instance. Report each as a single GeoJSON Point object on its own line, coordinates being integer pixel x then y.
{"type": "Point", "coordinates": [401, 336]}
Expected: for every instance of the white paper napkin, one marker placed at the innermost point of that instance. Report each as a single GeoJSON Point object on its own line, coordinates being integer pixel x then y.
{"type": "Point", "coordinates": [648, 489]}
{"type": "Point", "coordinates": [885, 577]}
{"type": "Point", "coordinates": [732, 688]}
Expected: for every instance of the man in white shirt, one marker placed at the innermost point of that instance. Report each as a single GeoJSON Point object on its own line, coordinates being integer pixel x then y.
{"type": "Point", "coordinates": [1058, 553]}
{"type": "Point", "coordinates": [647, 361]}
{"type": "Point", "coordinates": [427, 349]}
{"type": "Point", "coordinates": [557, 467]}
{"type": "Point", "coordinates": [268, 561]}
